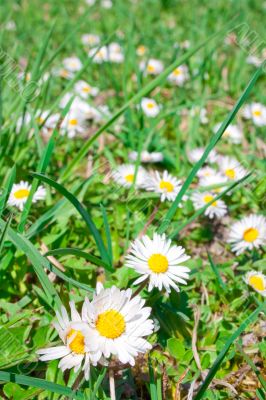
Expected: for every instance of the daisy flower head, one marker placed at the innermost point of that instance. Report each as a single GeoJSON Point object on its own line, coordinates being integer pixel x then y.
{"type": "Point", "coordinates": [257, 281]}
{"type": "Point", "coordinates": [231, 168]}
{"type": "Point", "coordinates": [119, 323]}
{"type": "Point", "coordinates": [84, 90]}
{"type": "Point", "coordinates": [115, 53]}
{"type": "Point", "coordinates": [63, 73]}
{"type": "Point", "coordinates": [141, 50]}
{"type": "Point", "coordinates": [124, 175]}
{"type": "Point", "coordinates": [46, 121]}
{"type": "Point", "coordinates": [248, 233]}
{"type": "Point", "coordinates": [206, 171]}
{"type": "Point", "coordinates": [20, 193]}
{"type": "Point", "coordinates": [149, 107]}
{"type": "Point", "coordinates": [256, 112]}
{"type": "Point", "coordinates": [146, 157]}
{"type": "Point", "coordinates": [158, 261]}
{"type": "Point", "coordinates": [213, 179]}
{"type": "Point", "coordinates": [99, 55]}
{"type": "Point", "coordinates": [151, 67]}
{"type": "Point", "coordinates": [233, 133]}
{"type": "Point", "coordinates": [195, 155]}
{"type": "Point", "coordinates": [72, 64]}
{"type": "Point", "coordinates": [179, 75]}
{"type": "Point", "coordinates": [217, 209]}
{"type": "Point", "coordinates": [77, 347]}
{"type": "Point", "coordinates": [166, 185]}
{"type": "Point", "coordinates": [74, 123]}
{"type": "Point", "coordinates": [91, 40]}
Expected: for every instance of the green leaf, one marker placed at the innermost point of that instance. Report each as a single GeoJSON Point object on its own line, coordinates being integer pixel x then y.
{"type": "Point", "coordinates": [7, 376]}
{"type": "Point", "coordinates": [176, 348]}
{"type": "Point", "coordinates": [78, 253]}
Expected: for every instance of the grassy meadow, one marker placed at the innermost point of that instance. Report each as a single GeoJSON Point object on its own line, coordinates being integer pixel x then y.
{"type": "Point", "coordinates": [132, 200]}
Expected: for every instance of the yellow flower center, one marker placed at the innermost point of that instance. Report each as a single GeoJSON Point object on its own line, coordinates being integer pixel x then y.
{"type": "Point", "coordinates": [150, 105]}
{"type": "Point", "coordinates": [158, 263]}
{"type": "Point", "coordinates": [176, 72]}
{"type": "Point", "coordinates": [250, 235]}
{"type": "Point", "coordinates": [86, 89]}
{"type": "Point", "coordinates": [230, 173]}
{"type": "Point", "coordinates": [256, 113]}
{"type": "Point", "coordinates": [40, 120]}
{"type": "Point", "coordinates": [167, 186]}
{"type": "Point", "coordinates": [77, 344]}
{"type": "Point", "coordinates": [150, 68]}
{"type": "Point", "coordinates": [64, 73]}
{"type": "Point", "coordinates": [257, 282]}
{"type": "Point", "coordinates": [141, 49]}
{"type": "Point", "coordinates": [226, 133]}
{"type": "Point", "coordinates": [22, 193]}
{"type": "Point", "coordinates": [209, 198]}
{"type": "Point", "coordinates": [129, 178]}
{"type": "Point", "coordinates": [73, 122]}
{"type": "Point", "coordinates": [110, 324]}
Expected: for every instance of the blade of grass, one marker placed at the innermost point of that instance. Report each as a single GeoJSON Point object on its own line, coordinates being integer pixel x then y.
{"type": "Point", "coordinates": [98, 383]}
{"type": "Point", "coordinates": [144, 91]}
{"type": "Point", "coordinates": [78, 253]}
{"type": "Point", "coordinates": [10, 180]}
{"type": "Point", "coordinates": [252, 317]}
{"type": "Point", "coordinates": [214, 139]}
{"type": "Point", "coordinates": [3, 236]}
{"type": "Point", "coordinates": [38, 262]}
{"type": "Point", "coordinates": [216, 272]}
{"type": "Point", "coordinates": [153, 387]}
{"type": "Point", "coordinates": [202, 209]}
{"type": "Point", "coordinates": [107, 233]}
{"type": "Point", "coordinates": [84, 214]}
{"type": "Point", "coordinates": [6, 376]}
{"type": "Point", "coordinates": [252, 366]}
{"type": "Point", "coordinates": [43, 164]}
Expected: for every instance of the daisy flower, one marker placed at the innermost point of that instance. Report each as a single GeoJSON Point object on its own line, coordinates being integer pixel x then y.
{"type": "Point", "coordinates": [47, 121]}
{"type": "Point", "coordinates": [233, 133]}
{"type": "Point", "coordinates": [84, 90]}
{"type": "Point", "coordinates": [150, 107]}
{"type": "Point", "coordinates": [77, 348]}
{"type": "Point", "coordinates": [159, 261]}
{"type": "Point", "coordinates": [119, 323]}
{"type": "Point", "coordinates": [72, 64]}
{"type": "Point", "coordinates": [151, 67]}
{"type": "Point", "coordinates": [248, 233]}
{"type": "Point", "coordinates": [89, 39]}
{"type": "Point", "coordinates": [211, 180]}
{"type": "Point", "coordinates": [63, 73]}
{"type": "Point", "coordinates": [231, 168]}
{"type": "Point", "coordinates": [179, 75]}
{"type": "Point", "coordinates": [166, 185]}
{"type": "Point", "coordinates": [196, 154]}
{"type": "Point", "coordinates": [216, 209]}
{"type": "Point", "coordinates": [256, 112]}
{"type": "Point", "coordinates": [20, 193]}
{"type": "Point", "coordinates": [146, 157]}
{"type": "Point", "coordinates": [115, 53]}
{"type": "Point", "coordinates": [74, 123]}
{"type": "Point", "coordinates": [141, 50]}
{"type": "Point", "coordinates": [124, 175]}
{"type": "Point", "coordinates": [206, 171]}
{"type": "Point", "coordinates": [99, 55]}
{"type": "Point", "coordinates": [257, 281]}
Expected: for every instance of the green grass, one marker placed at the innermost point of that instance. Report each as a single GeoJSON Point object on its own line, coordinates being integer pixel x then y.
{"type": "Point", "coordinates": [87, 220]}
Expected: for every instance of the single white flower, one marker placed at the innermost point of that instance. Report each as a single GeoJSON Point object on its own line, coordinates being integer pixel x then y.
{"type": "Point", "coordinates": [254, 60]}
{"type": "Point", "coordinates": [47, 122]}
{"type": "Point", "coordinates": [141, 50]}
{"type": "Point", "coordinates": [107, 4]}
{"type": "Point", "coordinates": [196, 154]}
{"type": "Point", "coordinates": [84, 90]}
{"type": "Point", "coordinates": [217, 209]}
{"type": "Point", "coordinates": [124, 175]}
{"type": "Point", "coordinates": [146, 157]}
{"type": "Point", "coordinates": [257, 281]}
{"type": "Point", "coordinates": [256, 112]}
{"type": "Point", "coordinates": [248, 233]}
{"type": "Point", "coordinates": [77, 348]}
{"type": "Point", "coordinates": [158, 261]}
{"type": "Point", "coordinates": [151, 67]}
{"type": "Point", "coordinates": [166, 185]}
{"type": "Point", "coordinates": [119, 323]}
{"type": "Point", "coordinates": [231, 168]}
{"type": "Point", "coordinates": [99, 55]}
{"type": "Point", "coordinates": [179, 75]}
{"type": "Point", "coordinates": [201, 113]}
{"type": "Point", "coordinates": [72, 64]}
{"type": "Point", "coordinates": [20, 193]}
{"type": "Point", "coordinates": [233, 133]}
{"type": "Point", "coordinates": [74, 123]}
{"type": "Point", "coordinates": [89, 39]}
{"type": "Point", "coordinates": [149, 107]}
{"type": "Point", "coordinates": [206, 171]}
{"type": "Point", "coordinates": [212, 180]}
{"type": "Point", "coordinates": [115, 53]}
{"type": "Point", "coordinates": [63, 73]}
